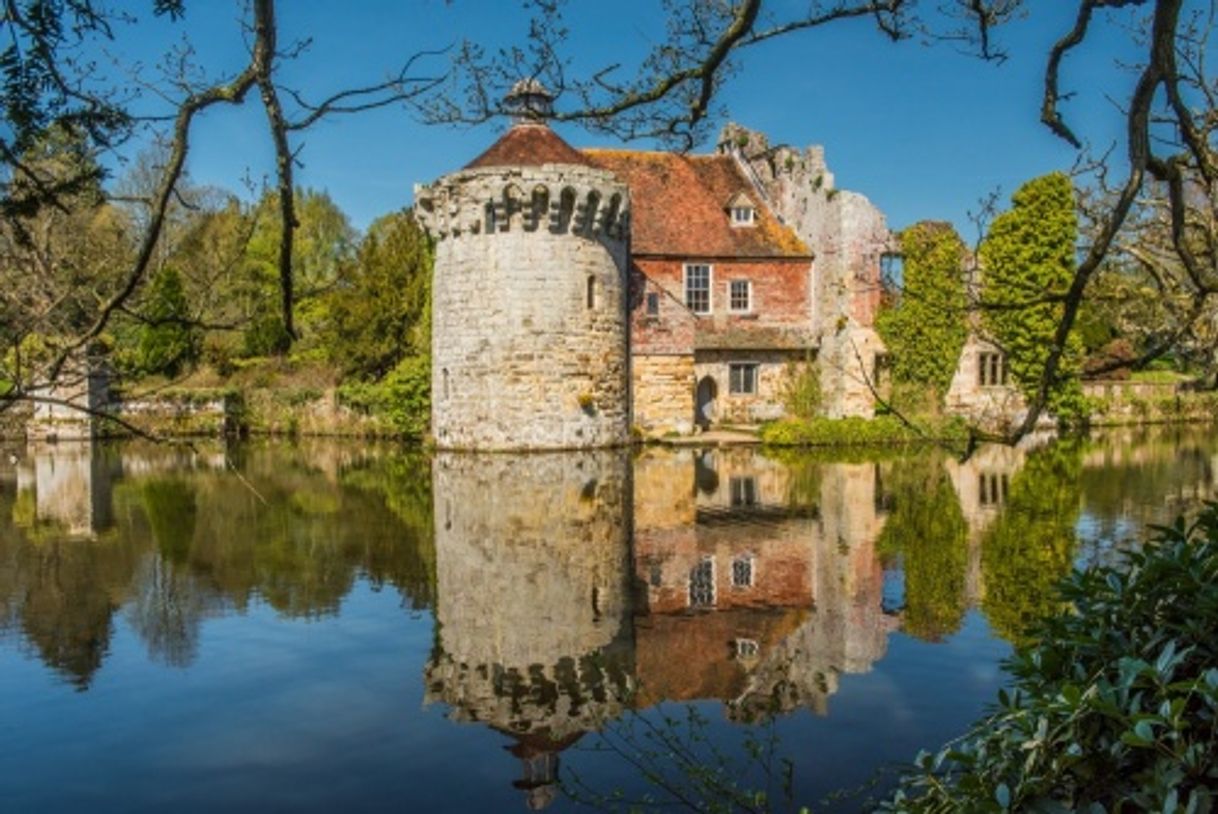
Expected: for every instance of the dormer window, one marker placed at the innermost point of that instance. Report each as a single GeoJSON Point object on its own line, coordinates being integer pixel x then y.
{"type": "Point", "coordinates": [741, 211]}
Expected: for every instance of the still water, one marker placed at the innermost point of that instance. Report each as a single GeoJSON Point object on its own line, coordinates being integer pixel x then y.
{"type": "Point", "coordinates": [328, 626]}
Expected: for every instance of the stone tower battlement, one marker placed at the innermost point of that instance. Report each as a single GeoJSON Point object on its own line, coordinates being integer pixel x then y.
{"type": "Point", "coordinates": [563, 200]}
{"type": "Point", "coordinates": [529, 298]}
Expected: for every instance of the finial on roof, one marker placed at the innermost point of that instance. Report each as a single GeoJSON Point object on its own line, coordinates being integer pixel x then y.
{"type": "Point", "coordinates": [530, 102]}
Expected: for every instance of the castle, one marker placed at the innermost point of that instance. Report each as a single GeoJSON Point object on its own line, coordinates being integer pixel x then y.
{"type": "Point", "coordinates": [582, 294]}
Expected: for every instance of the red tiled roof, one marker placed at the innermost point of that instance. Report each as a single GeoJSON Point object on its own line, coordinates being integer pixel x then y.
{"type": "Point", "coordinates": [679, 207]}
{"type": "Point", "coordinates": [529, 145]}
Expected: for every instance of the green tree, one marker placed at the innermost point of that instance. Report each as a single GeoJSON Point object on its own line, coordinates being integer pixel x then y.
{"type": "Point", "coordinates": [1028, 260]}
{"type": "Point", "coordinates": [324, 243]}
{"type": "Point", "coordinates": [381, 311]}
{"type": "Point", "coordinates": [926, 329]}
{"type": "Point", "coordinates": [168, 342]}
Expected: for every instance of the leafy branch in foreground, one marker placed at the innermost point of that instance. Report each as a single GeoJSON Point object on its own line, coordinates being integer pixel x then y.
{"type": "Point", "coordinates": [1113, 708]}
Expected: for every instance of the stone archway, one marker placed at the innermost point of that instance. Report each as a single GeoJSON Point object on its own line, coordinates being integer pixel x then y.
{"type": "Point", "coordinates": [705, 407]}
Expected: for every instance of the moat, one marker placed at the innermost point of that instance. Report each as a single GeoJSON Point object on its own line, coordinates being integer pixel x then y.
{"type": "Point", "coordinates": [328, 626]}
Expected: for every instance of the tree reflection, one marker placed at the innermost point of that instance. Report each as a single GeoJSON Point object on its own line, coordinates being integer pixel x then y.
{"type": "Point", "coordinates": [1030, 547]}
{"type": "Point", "coordinates": [928, 531]}
{"type": "Point", "coordinates": [187, 540]}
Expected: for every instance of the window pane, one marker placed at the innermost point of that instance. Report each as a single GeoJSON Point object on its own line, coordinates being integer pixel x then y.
{"type": "Point", "coordinates": [742, 378]}
{"type": "Point", "coordinates": [653, 304]}
{"type": "Point", "coordinates": [697, 288]}
{"type": "Point", "coordinates": [742, 572]}
{"type": "Point", "coordinates": [740, 291]}
{"type": "Point", "coordinates": [702, 584]}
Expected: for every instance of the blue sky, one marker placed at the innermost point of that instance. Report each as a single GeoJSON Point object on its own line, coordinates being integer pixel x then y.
{"type": "Point", "coordinates": [924, 131]}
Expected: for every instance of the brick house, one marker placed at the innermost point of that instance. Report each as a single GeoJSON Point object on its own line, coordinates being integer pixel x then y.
{"type": "Point", "coordinates": [720, 296]}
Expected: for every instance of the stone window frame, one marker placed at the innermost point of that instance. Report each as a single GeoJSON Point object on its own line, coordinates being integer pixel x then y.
{"type": "Point", "coordinates": [737, 388]}
{"type": "Point", "coordinates": [993, 488]}
{"type": "Point", "coordinates": [748, 296]}
{"type": "Point", "coordinates": [991, 369]}
{"type": "Point", "coordinates": [710, 286]}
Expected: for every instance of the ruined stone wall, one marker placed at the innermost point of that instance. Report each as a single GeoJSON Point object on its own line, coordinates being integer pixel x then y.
{"type": "Point", "coordinates": [992, 407]}
{"type": "Point", "coordinates": [529, 334]}
{"type": "Point", "coordinates": [848, 236]}
{"type": "Point", "coordinates": [75, 402]}
{"type": "Point", "coordinates": [775, 370]}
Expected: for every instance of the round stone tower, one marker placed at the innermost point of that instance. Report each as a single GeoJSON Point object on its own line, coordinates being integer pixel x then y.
{"type": "Point", "coordinates": [529, 321]}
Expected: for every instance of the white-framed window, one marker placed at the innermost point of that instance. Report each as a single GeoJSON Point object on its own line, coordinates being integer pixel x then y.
{"type": "Point", "coordinates": [742, 572]}
{"type": "Point", "coordinates": [698, 288]}
{"type": "Point", "coordinates": [743, 215]}
{"type": "Point", "coordinates": [740, 295]}
{"type": "Point", "coordinates": [702, 584]}
{"type": "Point", "coordinates": [742, 378]}
{"type": "Point", "coordinates": [991, 369]}
{"type": "Point", "coordinates": [653, 304]}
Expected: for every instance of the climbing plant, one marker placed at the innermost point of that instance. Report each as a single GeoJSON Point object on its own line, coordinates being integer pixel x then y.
{"type": "Point", "coordinates": [926, 327]}
{"type": "Point", "coordinates": [1028, 260]}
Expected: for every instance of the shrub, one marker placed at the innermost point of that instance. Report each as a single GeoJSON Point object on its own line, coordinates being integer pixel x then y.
{"type": "Point", "coordinates": [403, 397]}
{"type": "Point", "coordinates": [1114, 707]}
{"type": "Point", "coordinates": [801, 392]}
{"type": "Point", "coordinates": [882, 429]}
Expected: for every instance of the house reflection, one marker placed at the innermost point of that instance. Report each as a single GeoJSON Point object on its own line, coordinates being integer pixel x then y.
{"type": "Point", "coordinates": [571, 588]}
{"type": "Point", "coordinates": [747, 593]}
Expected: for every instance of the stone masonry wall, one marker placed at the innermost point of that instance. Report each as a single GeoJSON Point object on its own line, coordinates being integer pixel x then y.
{"type": "Point", "coordinates": [993, 407]}
{"type": "Point", "coordinates": [529, 336]}
{"type": "Point", "coordinates": [774, 372]}
{"type": "Point", "coordinates": [663, 391]}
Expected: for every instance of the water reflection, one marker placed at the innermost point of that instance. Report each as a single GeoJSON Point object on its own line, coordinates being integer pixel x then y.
{"type": "Point", "coordinates": [183, 539]}
{"type": "Point", "coordinates": [570, 589]}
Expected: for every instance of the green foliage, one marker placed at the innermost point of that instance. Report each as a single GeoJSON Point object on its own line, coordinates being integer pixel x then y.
{"type": "Point", "coordinates": [927, 328]}
{"type": "Point", "coordinates": [927, 529]}
{"type": "Point", "coordinates": [1115, 708]}
{"type": "Point", "coordinates": [166, 341]}
{"type": "Point", "coordinates": [879, 430]}
{"type": "Point", "coordinates": [801, 393]}
{"type": "Point", "coordinates": [382, 311]}
{"type": "Point", "coordinates": [1030, 253]}
{"type": "Point", "coordinates": [403, 397]}
{"type": "Point", "coordinates": [1031, 544]}
{"type": "Point", "coordinates": [323, 247]}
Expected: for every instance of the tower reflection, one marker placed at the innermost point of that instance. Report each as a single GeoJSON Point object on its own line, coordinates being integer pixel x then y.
{"type": "Point", "coordinates": [572, 588]}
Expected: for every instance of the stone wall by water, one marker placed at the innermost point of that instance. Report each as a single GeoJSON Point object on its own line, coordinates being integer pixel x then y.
{"type": "Point", "coordinates": [529, 326]}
